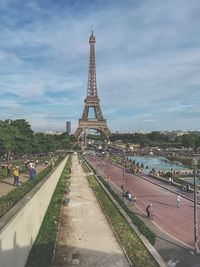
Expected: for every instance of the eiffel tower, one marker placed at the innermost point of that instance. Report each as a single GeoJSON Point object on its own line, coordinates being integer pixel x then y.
{"type": "Point", "coordinates": [92, 101]}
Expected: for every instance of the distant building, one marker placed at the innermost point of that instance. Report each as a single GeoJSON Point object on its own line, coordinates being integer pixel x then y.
{"type": "Point", "coordinates": [50, 132]}
{"type": "Point", "coordinates": [68, 127]}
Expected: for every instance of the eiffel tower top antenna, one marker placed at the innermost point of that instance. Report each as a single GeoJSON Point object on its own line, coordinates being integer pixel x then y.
{"type": "Point", "coordinates": [92, 27]}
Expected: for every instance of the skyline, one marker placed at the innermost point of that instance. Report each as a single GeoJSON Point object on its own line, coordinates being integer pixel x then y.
{"type": "Point", "coordinates": [147, 61]}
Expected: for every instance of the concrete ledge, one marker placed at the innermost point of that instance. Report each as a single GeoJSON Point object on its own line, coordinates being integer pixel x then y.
{"type": "Point", "coordinates": [20, 225]}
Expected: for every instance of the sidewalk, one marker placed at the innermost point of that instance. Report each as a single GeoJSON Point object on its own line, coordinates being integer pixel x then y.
{"type": "Point", "coordinates": [85, 237]}
{"type": "Point", "coordinates": [6, 184]}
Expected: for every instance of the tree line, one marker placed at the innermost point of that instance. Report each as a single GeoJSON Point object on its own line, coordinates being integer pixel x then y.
{"type": "Point", "coordinates": [157, 139]}
{"type": "Point", "coordinates": [17, 138]}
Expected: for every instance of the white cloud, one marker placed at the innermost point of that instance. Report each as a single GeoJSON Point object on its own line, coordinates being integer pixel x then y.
{"type": "Point", "coordinates": [147, 56]}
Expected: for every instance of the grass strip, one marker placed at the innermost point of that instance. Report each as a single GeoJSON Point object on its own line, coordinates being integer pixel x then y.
{"type": "Point", "coordinates": [145, 231]}
{"type": "Point", "coordinates": [85, 167]}
{"type": "Point", "coordinates": [135, 249]}
{"type": "Point", "coordinates": [137, 221]}
{"type": "Point", "coordinates": [42, 251]}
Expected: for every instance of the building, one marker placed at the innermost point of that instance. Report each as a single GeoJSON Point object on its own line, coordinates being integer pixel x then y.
{"type": "Point", "coordinates": [50, 133]}
{"type": "Point", "coordinates": [68, 127]}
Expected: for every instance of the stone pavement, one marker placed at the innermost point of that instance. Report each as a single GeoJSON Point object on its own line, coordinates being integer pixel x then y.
{"type": "Point", "coordinates": [173, 226]}
{"type": "Point", "coordinates": [85, 237]}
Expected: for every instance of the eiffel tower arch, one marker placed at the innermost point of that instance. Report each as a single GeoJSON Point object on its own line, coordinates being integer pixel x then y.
{"type": "Point", "coordinates": [92, 100]}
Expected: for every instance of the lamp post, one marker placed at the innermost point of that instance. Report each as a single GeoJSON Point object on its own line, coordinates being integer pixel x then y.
{"type": "Point", "coordinates": [97, 163]}
{"type": "Point", "coordinates": [123, 172]}
{"type": "Point", "coordinates": [196, 247]}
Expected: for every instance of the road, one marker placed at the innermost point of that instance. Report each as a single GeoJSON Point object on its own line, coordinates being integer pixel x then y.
{"type": "Point", "coordinates": [177, 222]}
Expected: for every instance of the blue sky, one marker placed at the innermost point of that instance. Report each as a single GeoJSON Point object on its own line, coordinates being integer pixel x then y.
{"type": "Point", "coordinates": [147, 59]}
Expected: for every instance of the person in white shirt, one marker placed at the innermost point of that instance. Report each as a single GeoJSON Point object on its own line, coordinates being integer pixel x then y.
{"type": "Point", "coordinates": [178, 200]}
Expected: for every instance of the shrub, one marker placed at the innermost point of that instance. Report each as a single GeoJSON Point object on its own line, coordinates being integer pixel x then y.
{"type": "Point", "coordinates": [168, 174]}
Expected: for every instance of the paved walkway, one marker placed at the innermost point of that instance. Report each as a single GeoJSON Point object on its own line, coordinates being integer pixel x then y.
{"type": "Point", "coordinates": [85, 237]}
{"type": "Point", "coordinates": [171, 224]}
{"type": "Point", "coordinates": [6, 184]}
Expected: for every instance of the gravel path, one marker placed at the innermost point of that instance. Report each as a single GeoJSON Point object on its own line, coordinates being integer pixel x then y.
{"type": "Point", "coordinates": [85, 237]}
{"type": "Point", "coordinates": [6, 184]}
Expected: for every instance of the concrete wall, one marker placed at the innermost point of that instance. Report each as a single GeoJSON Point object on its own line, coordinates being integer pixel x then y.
{"type": "Point", "coordinates": [20, 226]}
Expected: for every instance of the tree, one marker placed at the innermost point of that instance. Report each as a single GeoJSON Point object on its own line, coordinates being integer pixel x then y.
{"type": "Point", "coordinates": [16, 136]}
{"type": "Point", "coordinates": [23, 126]}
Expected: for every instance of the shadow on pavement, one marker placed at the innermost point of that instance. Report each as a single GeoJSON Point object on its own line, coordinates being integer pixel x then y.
{"type": "Point", "coordinates": [77, 256]}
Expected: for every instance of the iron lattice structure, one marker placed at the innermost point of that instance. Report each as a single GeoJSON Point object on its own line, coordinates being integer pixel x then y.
{"type": "Point", "coordinates": [92, 101]}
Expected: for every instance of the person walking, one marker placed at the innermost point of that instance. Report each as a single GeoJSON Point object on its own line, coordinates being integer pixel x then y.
{"type": "Point", "coordinates": [32, 172]}
{"type": "Point", "coordinates": [178, 200]}
{"type": "Point", "coordinates": [52, 164]}
{"type": "Point", "coordinates": [16, 175]}
{"type": "Point", "coordinates": [148, 210]}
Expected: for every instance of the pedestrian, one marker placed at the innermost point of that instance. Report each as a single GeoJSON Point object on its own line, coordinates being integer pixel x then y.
{"type": "Point", "coordinates": [178, 200]}
{"type": "Point", "coordinates": [8, 170]}
{"type": "Point", "coordinates": [148, 210]}
{"type": "Point", "coordinates": [129, 196]}
{"type": "Point", "coordinates": [16, 175]}
{"type": "Point", "coordinates": [188, 188]}
{"type": "Point", "coordinates": [31, 164]}
{"type": "Point", "coordinates": [32, 172]}
{"type": "Point", "coordinates": [52, 163]}
{"type": "Point", "coordinates": [126, 194]}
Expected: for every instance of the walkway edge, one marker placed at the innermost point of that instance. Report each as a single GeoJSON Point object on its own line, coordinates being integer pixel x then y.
{"type": "Point", "coordinates": [147, 244]}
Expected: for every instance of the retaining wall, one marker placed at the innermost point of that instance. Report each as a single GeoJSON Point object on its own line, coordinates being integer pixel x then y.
{"type": "Point", "coordinates": [20, 225]}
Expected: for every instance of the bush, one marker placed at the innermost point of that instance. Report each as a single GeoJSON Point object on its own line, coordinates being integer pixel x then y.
{"type": "Point", "coordinates": [168, 174]}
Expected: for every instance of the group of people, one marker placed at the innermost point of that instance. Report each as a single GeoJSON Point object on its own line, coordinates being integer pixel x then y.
{"type": "Point", "coordinates": [185, 188]}
{"type": "Point", "coordinates": [31, 171]}
{"type": "Point", "coordinates": [130, 197]}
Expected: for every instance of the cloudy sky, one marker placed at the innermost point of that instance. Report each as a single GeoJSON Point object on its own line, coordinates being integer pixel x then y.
{"type": "Point", "coordinates": [147, 59]}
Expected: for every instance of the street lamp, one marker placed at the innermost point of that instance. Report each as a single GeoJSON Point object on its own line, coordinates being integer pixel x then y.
{"type": "Point", "coordinates": [196, 247]}
{"type": "Point", "coordinates": [123, 172]}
